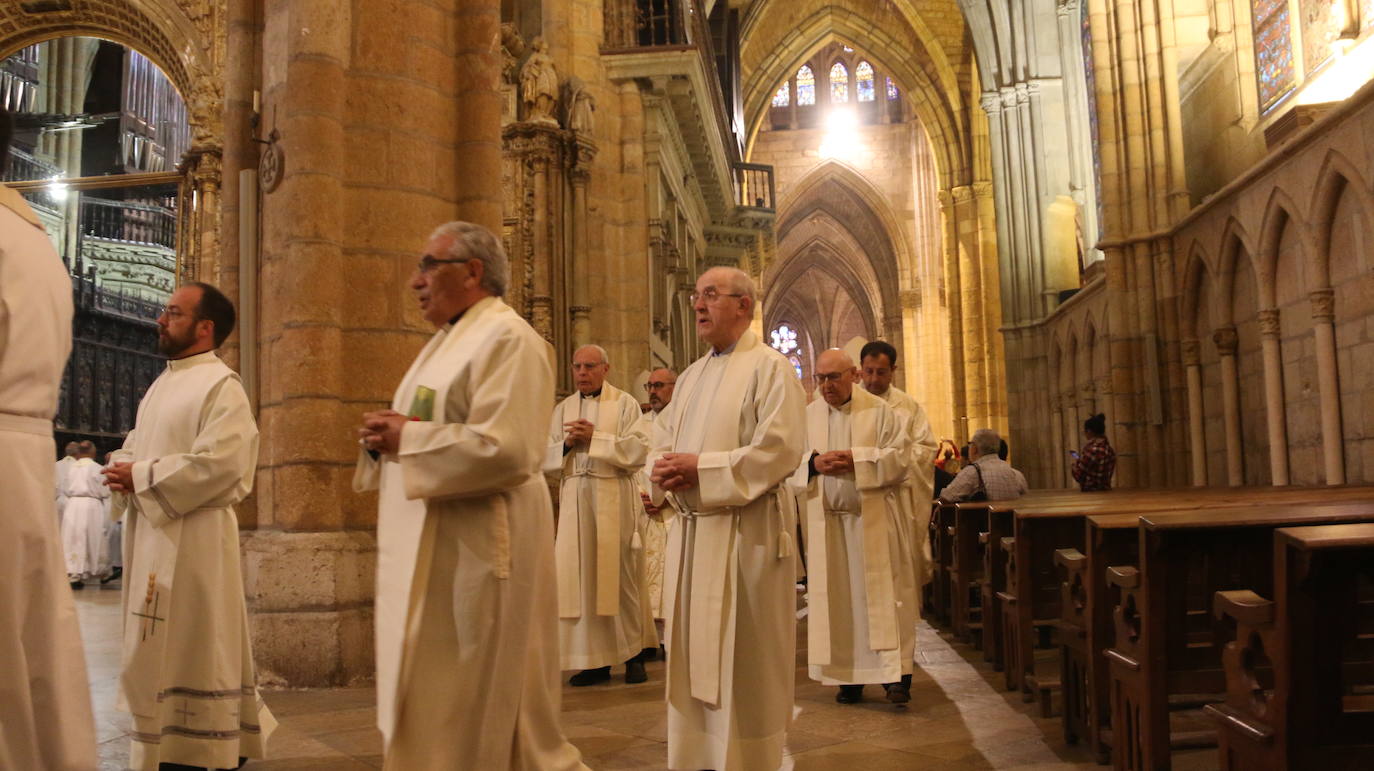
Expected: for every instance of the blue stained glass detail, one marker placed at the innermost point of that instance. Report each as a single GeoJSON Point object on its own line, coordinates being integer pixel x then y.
{"type": "Point", "coordinates": [806, 86]}
{"type": "Point", "coordinates": [863, 81]}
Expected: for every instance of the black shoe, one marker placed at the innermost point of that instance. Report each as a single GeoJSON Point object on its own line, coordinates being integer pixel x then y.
{"type": "Point", "coordinates": [850, 694]}
{"type": "Point", "coordinates": [115, 572]}
{"type": "Point", "coordinates": [78, 584]}
{"type": "Point", "coordinates": [648, 654]}
{"type": "Point", "coordinates": [898, 693]}
{"type": "Point", "coordinates": [590, 677]}
{"type": "Point", "coordinates": [634, 671]}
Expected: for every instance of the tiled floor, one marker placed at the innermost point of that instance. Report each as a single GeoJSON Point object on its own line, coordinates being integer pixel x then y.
{"type": "Point", "coordinates": [958, 718]}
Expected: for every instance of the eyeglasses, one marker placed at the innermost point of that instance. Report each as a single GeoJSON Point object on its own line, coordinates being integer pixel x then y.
{"type": "Point", "coordinates": [651, 386]}
{"type": "Point", "coordinates": [710, 295]}
{"type": "Point", "coordinates": [428, 264]}
{"type": "Point", "coordinates": [173, 313]}
{"type": "Point", "coordinates": [829, 377]}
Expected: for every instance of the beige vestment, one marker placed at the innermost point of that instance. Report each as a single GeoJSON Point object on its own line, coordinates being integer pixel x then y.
{"type": "Point", "coordinates": [920, 482]}
{"type": "Point", "coordinates": [655, 545]}
{"type": "Point", "coordinates": [862, 587]}
{"type": "Point", "coordinates": [466, 613]}
{"type": "Point", "coordinates": [731, 602]}
{"type": "Point", "coordinates": [599, 550]}
{"type": "Point", "coordinates": [83, 519]}
{"type": "Point", "coordinates": [45, 699]}
{"type": "Point", "coordinates": [188, 676]}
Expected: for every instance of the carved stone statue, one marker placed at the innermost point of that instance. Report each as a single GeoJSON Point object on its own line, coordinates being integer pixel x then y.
{"type": "Point", "coordinates": [539, 84]}
{"type": "Point", "coordinates": [580, 106]}
{"type": "Point", "coordinates": [512, 48]}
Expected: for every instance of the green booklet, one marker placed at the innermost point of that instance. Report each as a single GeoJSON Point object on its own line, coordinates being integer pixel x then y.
{"type": "Point", "coordinates": [422, 406]}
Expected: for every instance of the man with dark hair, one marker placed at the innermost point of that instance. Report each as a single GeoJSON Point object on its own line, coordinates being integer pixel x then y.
{"type": "Point", "coordinates": [83, 523]}
{"type": "Point", "coordinates": [188, 675]}
{"type": "Point", "coordinates": [47, 712]}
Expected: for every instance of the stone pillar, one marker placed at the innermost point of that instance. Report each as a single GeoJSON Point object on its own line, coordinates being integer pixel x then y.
{"type": "Point", "coordinates": [581, 307]}
{"type": "Point", "coordinates": [476, 75]}
{"type": "Point", "coordinates": [1197, 441]}
{"type": "Point", "coordinates": [1226, 341]}
{"type": "Point", "coordinates": [1324, 333]}
{"type": "Point", "coordinates": [1273, 396]}
{"type": "Point", "coordinates": [1058, 442]}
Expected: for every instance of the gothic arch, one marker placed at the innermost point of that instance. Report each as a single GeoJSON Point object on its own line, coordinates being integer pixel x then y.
{"type": "Point", "coordinates": [1336, 179]}
{"type": "Point", "coordinates": [1280, 214]}
{"type": "Point", "coordinates": [1192, 297]}
{"type": "Point", "coordinates": [1233, 241]}
{"type": "Point", "coordinates": [184, 38]}
{"type": "Point", "coordinates": [849, 178]}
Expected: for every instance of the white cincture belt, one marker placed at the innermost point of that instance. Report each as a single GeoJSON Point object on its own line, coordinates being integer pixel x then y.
{"type": "Point", "coordinates": [596, 475]}
{"type": "Point", "coordinates": [829, 510]}
{"type": "Point", "coordinates": [97, 497]}
{"type": "Point", "coordinates": [25, 424]}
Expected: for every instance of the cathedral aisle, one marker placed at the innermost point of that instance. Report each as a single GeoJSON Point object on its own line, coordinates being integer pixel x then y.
{"type": "Point", "coordinates": [957, 719]}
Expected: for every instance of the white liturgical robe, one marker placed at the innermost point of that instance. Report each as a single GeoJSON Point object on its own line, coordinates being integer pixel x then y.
{"type": "Point", "coordinates": [730, 600]}
{"type": "Point", "coordinates": [861, 587]}
{"type": "Point", "coordinates": [467, 612]}
{"type": "Point", "coordinates": [599, 550]}
{"type": "Point", "coordinates": [655, 544]}
{"type": "Point", "coordinates": [45, 699]}
{"type": "Point", "coordinates": [83, 521]}
{"type": "Point", "coordinates": [920, 482]}
{"type": "Point", "coordinates": [188, 675]}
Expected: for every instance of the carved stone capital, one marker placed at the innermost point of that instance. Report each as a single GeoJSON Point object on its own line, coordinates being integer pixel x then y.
{"type": "Point", "coordinates": [982, 189]}
{"type": "Point", "coordinates": [991, 101]}
{"type": "Point", "coordinates": [962, 193]}
{"type": "Point", "coordinates": [1226, 341]}
{"type": "Point", "coordinates": [1088, 390]}
{"type": "Point", "coordinates": [1323, 305]}
{"type": "Point", "coordinates": [946, 199]}
{"type": "Point", "coordinates": [580, 311]}
{"type": "Point", "coordinates": [1269, 322]}
{"type": "Point", "coordinates": [1192, 353]}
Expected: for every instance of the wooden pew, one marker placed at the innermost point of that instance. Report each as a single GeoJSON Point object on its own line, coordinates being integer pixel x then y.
{"type": "Point", "coordinates": [1164, 646]}
{"type": "Point", "coordinates": [941, 554]}
{"type": "Point", "coordinates": [1316, 633]}
{"type": "Point", "coordinates": [967, 523]}
{"type": "Point", "coordinates": [994, 583]}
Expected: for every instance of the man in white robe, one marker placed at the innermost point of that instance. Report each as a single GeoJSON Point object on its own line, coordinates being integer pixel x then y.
{"type": "Point", "coordinates": [60, 478]}
{"type": "Point", "coordinates": [596, 446]}
{"type": "Point", "coordinates": [878, 362]}
{"type": "Point", "coordinates": [83, 520]}
{"type": "Point", "coordinates": [734, 431]}
{"type": "Point", "coordinates": [658, 519]}
{"type": "Point", "coordinates": [467, 610]}
{"type": "Point", "coordinates": [188, 677]}
{"type": "Point", "coordinates": [112, 552]}
{"type": "Point", "coordinates": [45, 699]}
{"type": "Point", "coordinates": [861, 585]}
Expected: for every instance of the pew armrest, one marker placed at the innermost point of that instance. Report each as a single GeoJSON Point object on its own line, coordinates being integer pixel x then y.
{"type": "Point", "coordinates": [1246, 607]}
{"type": "Point", "coordinates": [1069, 558]}
{"type": "Point", "coordinates": [1124, 576]}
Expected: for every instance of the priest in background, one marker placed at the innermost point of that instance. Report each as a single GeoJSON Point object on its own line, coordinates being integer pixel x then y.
{"type": "Point", "coordinates": [878, 362]}
{"type": "Point", "coordinates": [657, 519]}
{"type": "Point", "coordinates": [83, 522]}
{"type": "Point", "coordinates": [467, 609]}
{"type": "Point", "coordinates": [188, 676]}
{"type": "Point", "coordinates": [596, 445]}
{"type": "Point", "coordinates": [60, 477]}
{"type": "Point", "coordinates": [45, 699]}
{"type": "Point", "coordinates": [861, 583]}
{"type": "Point", "coordinates": [734, 431]}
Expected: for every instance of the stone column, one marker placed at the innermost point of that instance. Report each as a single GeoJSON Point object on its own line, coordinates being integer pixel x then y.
{"type": "Point", "coordinates": [1226, 341]}
{"type": "Point", "coordinates": [1058, 445]}
{"type": "Point", "coordinates": [1273, 396]}
{"type": "Point", "coordinates": [581, 307]}
{"type": "Point", "coordinates": [1197, 441]}
{"type": "Point", "coordinates": [476, 26]}
{"type": "Point", "coordinates": [1324, 332]}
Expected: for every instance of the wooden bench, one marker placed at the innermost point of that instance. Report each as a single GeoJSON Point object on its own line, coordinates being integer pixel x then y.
{"type": "Point", "coordinates": [968, 522]}
{"type": "Point", "coordinates": [1001, 518]}
{"type": "Point", "coordinates": [941, 554]}
{"type": "Point", "coordinates": [1312, 708]}
{"type": "Point", "coordinates": [1165, 648]}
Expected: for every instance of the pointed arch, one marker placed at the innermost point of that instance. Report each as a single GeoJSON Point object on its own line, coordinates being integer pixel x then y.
{"type": "Point", "coordinates": [1280, 214]}
{"type": "Point", "coordinates": [839, 83]}
{"type": "Point", "coordinates": [1194, 275]}
{"type": "Point", "coordinates": [1336, 179]}
{"type": "Point", "coordinates": [864, 82]}
{"type": "Point", "coordinates": [1234, 240]}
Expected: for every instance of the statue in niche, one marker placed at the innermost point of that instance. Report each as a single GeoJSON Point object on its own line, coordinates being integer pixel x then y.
{"type": "Point", "coordinates": [512, 48]}
{"type": "Point", "coordinates": [580, 105]}
{"type": "Point", "coordinates": [539, 84]}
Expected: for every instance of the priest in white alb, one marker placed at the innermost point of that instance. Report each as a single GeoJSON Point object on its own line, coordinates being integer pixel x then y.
{"type": "Point", "coordinates": [861, 586]}
{"type": "Point", "coordinates": [84, 516]}
{"type": "Point", "coordinates": [878, 362]}
{"type": "Point", "coordinates": [734, 431]}
{"type": "Point", "coordinates": [596, 446]}
{"type": "Point", "coordinates": [467, 607]}
{"type": "Point", "coordinates": [657, 519]}
{"type": "Point", "coordinates": [188, 677]}
{"type": "Point", "coordinates": [45, 698]}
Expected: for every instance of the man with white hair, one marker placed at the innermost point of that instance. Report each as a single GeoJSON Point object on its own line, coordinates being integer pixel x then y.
{"type": "Point", "coordinates": [466, 619]}
{"type": "Point", "coordinates": [986, 477]}
{"type": "Point", "coordinates": [596, 445]}
{"type": "Point", "coordinates": [861, 583]}
{"type": "Point", "coordinates": [734, 431]}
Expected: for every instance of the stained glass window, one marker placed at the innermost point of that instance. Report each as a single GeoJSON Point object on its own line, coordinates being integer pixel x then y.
{"type": "Point", "coordinates": [1274, 68]}
{"type": "Point", "coordinates": [796, 366]}
{"type": "Point", "coordinates": [783, 97]}
{"type": "Point", "coordinates": [1090, 85]}
{"type": "Point", "coordinates": [1322, 23]}
{"type": "Point", "coordinates": [784, 339]}
{"type": "Point", "coordinates": [839, 83]}
{"type": "Point", "coordinates": [806, 86]}
{"type": "Point", "coordinates": [863, 81]}
{"type": "Point", "coordinates": [891, 90]}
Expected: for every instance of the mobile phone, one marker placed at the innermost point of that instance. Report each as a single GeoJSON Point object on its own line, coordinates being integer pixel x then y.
{"type": "Point", "coordinates": [1073, 454]}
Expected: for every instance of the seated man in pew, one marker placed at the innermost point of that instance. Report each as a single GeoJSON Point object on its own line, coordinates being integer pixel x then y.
{"type": "Point", "coordinates": [987, 477]}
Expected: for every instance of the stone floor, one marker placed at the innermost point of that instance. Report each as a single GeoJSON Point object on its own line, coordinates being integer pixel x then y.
{"type": "Point", "coordinates": [958, 718]}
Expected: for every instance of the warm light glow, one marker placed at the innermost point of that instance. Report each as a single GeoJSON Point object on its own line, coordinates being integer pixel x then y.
{"type": "Point", "coordinates": [1343, 76]}
{"type": "Point", "coordinates": [57, 189]}
{"type": "Point", "coordinates": [841, 138]}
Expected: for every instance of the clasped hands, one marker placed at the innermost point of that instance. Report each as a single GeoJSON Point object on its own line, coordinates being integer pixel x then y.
{"type": "Point", "coordinates": [381, 431]}
{"type": "Point", "coordinates": [834, 463]}
{"type": "Point", "coordinates": [119, 477]}
{"type": "Point", "coordinates": [579, 430]}
{"type": "Point", "coordinates": [675, 471]}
